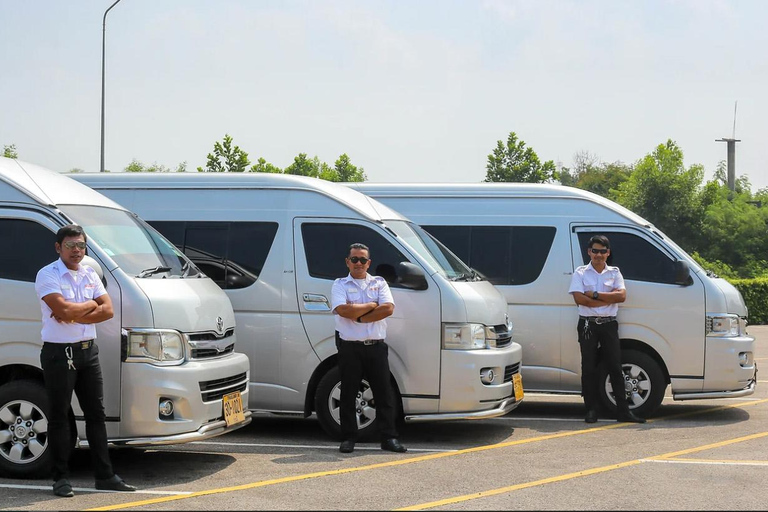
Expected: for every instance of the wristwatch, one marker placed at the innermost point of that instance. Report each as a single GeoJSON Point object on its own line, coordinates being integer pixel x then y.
{"type": "Point", "coordinates": [595, 295]}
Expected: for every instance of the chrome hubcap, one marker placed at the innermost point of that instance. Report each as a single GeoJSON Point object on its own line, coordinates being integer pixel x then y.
{"type": "Point", "coordinates": [23, 432]}
{"type": "Point", "coordinates": [637, 386]}
{"type": "Point", "coordinates": [365, 406]}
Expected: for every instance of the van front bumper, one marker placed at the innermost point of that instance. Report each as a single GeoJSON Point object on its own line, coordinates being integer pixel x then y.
{"type": "Point", "coordinates": [503, 408]}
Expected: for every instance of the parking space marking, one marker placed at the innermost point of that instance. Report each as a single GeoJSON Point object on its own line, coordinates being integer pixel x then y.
{"type": "Point", "coordinates": [86, 489]}
{"type": "Point", "coordinates": [417, 459]}
{"type": "Point", "coordinates": [373, 447]}
{"type": "Point", "coordinates": [577, 474]}
{"type": "Point", "coordinates": [713, 462]}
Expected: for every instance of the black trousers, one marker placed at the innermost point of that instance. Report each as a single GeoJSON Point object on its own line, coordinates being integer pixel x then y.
{"type": "Point", "coordinates": [372, 361]}
{"type": "Point", "coordinates": [601, 342]}
{"type": "Point", "coordinates": [88, 384]}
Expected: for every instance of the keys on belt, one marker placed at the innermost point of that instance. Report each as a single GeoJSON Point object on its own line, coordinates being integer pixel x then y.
{"type": "Point", "coordinates": [598, 319]}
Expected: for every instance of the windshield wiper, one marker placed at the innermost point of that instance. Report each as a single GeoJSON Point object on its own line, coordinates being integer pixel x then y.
{"type": "Point", "coordinates": [185, 269]}
{"type": "Point", "coordinates": [151, 271]}
{"type": "Point", "coordinates": [472, 275]}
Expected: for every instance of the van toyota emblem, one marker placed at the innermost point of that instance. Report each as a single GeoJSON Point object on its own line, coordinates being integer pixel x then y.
{"type": "Point", "coordinates": [219, 324]}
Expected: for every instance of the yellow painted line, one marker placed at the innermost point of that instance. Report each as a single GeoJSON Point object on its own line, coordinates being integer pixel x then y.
{"type": "Point", "coordinates": [404, 461]}
{"type": "Point", "coordinates": [577, 474]}
{"type": "Point", "coordinates": [730, 462]}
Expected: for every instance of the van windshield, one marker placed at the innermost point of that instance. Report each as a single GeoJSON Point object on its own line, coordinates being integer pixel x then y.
{"type": "Point", "coordinates": [436, 254]}
{"type": "Point", "coordinates": [132, 243]}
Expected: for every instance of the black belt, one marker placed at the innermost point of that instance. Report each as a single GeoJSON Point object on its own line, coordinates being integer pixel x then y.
{"type": "Point", "coordinates": [598, 319]}
{"type": "Point", "coordinates": [363, 342]}
{"type": "Point", "coordinates": [78, 345]}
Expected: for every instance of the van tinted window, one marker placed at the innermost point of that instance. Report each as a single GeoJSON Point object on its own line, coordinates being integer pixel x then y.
{"type": "Point", "coordinates": [30, 248]}
{"type": "Point", "coordinates": [230, 253]}
{"type": "Point", "coordinates": [638, 259]}
{"type": "Point", "coordinates": [506, 255]}
{"type": "Point", "coordinates": [326, 245]}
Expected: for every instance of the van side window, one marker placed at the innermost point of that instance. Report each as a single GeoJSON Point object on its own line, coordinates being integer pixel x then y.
{"type": "Point", "coordinates": [30, 247]}
{"type": "Point", "coordinates": [326, 245]}
{"type": "Point", "coordinates": [230, 253]}
{"type": "Point", "coordinates": [638, 259]}
{"type": "Point", "coordinates": [505, 255]}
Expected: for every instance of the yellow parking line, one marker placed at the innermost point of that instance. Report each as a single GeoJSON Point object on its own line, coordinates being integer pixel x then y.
{"type": "Point", "coordinates": [403, 461]}
{"type": "Point", "coordinates": [577, 474]}
{"type": "Point", "coordinates": [713, 461]}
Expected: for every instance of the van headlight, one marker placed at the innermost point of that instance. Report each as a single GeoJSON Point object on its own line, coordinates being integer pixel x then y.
{"type": "Point", "coordinates": [162, 347]}
{"type": "Point", "coordinates": [723, 325]}
{"type": "Point", "coordinates": [464, 336]}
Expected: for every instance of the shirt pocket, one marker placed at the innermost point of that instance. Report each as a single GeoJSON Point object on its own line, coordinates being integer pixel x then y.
{"type": "Point", "coordinates": [89, 291]}
{"type": "Point", "coordinates": [590, 283]}
{"type": "Point", "coordinates": [68, 294]}
{"type": "Point", "coordinates": [608, 283]}
{"type": "Point", "coordinates": [353, 295]}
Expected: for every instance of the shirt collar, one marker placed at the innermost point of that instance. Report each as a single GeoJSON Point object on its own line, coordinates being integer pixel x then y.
{"type": "Point", "coordinates": [606, 269]}
{"type": "Point", "coordinates": [349, 278]}
{"type": "Point", "coordinates": [64, 270]}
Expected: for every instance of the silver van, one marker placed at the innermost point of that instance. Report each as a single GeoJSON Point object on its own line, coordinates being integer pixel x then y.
{"type": "Point", "coordinates": [680, 326]}
{"type": "Point", "coordinates": [275, 244]}
{"type": "Point", "coordinates": [166, 355]}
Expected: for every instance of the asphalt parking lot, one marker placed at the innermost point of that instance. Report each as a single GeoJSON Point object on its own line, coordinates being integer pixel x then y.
{"type": "Point", "coordinates": [697, 455]}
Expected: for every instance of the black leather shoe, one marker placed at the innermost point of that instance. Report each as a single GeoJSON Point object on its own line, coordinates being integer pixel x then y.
{"type": "Point", "coordinates": [629, 417]}
{"type": "Point", "coordinates": [63, 488]}
{"type": "Point", "coordinates": [347, 446]}
{"type": "Point", "coordinates": [591, 416]}
{"type": "Point", "coordinates": [114, 484]}
{"type": "Point", "coordinates": [393, 445]}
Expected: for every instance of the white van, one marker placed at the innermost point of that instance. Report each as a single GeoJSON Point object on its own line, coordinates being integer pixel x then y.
{"type": "Point", "coordinates": [275, 244]}
{"type": "Point", "coordinates": [679, 326]}
{"type": "Point", "coordinates": [166, 355]}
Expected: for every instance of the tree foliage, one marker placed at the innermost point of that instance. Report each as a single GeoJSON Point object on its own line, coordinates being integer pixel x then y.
{"type": "Point", "coordinates": [513, 162]}
{"type": "Point", "coordinates": [9, 151]}
{"type": "Point", "coordinates": [226, 158]}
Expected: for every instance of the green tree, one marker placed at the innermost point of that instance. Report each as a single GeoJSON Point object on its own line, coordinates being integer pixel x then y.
{"type": "Point", "coordinates": [263, 166]}
{"type": "Point", "coordinates": [664, 192]}
{"type": "Point", "coordinates": [303, 166]}
{"type": "Point", "coordinates": [9, 151]}
{"type": "Point", "coordinates": [226, 158]}
{"type": "Point", "coordinates": [604, 179]}
{"type": "Point", "coordinates": [346, 171]}
{"type": "Point", "coordinates": [514, 162]}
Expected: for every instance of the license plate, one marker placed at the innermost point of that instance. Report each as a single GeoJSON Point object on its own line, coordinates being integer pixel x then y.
{"type": "Point", "coordinates": [517, 381]}
{"type": "Point", "coordinates": [233, 408]}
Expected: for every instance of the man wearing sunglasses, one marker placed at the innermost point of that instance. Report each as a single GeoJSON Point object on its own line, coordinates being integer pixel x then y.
{"type": "Point", "coordinates": [73, 300]}
{"type": "Point", "coordinates": [360, 304]}
{"type": "Point", "coordinates": [598, 289]}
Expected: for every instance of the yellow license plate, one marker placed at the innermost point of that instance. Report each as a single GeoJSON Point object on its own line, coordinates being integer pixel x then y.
{"type": "Point", "coordinates": [233, 408]}
{"type": "Point", "coordinates": [517, 381]}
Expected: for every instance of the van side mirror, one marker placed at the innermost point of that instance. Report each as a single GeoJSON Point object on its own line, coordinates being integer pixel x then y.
{"type": "Point", "coordinates": [411, 276]}
{"type": "Point", "coordinates": [90, 262]}
{"type": "Point", "coordinates": [683, 273]}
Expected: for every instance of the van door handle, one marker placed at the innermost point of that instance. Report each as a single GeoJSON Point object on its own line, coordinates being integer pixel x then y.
{"type": "Point", "coordinates": [316, 302]}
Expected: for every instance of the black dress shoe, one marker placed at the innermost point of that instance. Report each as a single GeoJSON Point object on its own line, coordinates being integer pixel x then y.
{"type": "Point", "coordinates": [629, 417]}
{"type": "Point", "coordinates": [591, 416]}
{"type": "Point", "coordinates": [393, 445]}
{"type": "Point", "coordinates": [63, 488]}
{"type": "Point", "coordinates": [114, 484]}
{"type": "Point", "coordinates": [347, 446]}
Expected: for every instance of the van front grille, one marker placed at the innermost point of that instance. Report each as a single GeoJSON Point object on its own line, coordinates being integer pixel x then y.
{"type": "Point", "coordinates": [503, 335]}
{"type": "Point", "coordinates": [212, 390]}
{"type": "Point", "coordinates": [203, 353]}
{"type": "Point", "coordinates": [510, 370]}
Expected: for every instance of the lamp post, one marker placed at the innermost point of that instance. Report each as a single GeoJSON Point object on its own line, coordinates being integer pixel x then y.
{"type": "Point", "coordinates": [103, 53]}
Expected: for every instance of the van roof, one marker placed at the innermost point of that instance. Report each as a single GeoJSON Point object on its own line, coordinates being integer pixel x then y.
{"type": "Point", "coordinates": [359, 202]}
{"type": "Point", "coordinates": [495, 190]}
{"type": "Point", "coordinates": [46, 187]}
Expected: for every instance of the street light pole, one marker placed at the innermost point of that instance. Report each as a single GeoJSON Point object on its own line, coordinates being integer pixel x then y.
{"type": "Point", "coordinates": [103, 53]}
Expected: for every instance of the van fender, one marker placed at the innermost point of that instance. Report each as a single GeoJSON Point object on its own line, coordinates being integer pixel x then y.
{"type": "Point", "coordinates": [642, 338]}
{"type": "Point", "coordinates": [20, 354]}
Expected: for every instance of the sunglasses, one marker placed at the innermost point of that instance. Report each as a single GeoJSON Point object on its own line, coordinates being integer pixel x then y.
{"type": "Point", "coordinates": [71, 244]}
{"type": "Point", "coordinates": [355, 259]}
{"type": "Point", "coordinates": [599, 251]}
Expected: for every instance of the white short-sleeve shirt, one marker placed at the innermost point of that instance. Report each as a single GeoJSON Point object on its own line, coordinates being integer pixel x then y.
{"type": "Point", "coordinates": [347, 290]}
{"type": "Point", "coordinates": [56, 278]}
{"type": "Point", "coordinates": [587, 278]}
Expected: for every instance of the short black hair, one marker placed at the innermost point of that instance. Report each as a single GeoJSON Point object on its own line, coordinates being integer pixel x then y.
{"type": "Point", "coordinates": [599, 239]}
{"type": "Point", "coordinates": [70, 230]}
{"type": "Point", "coordinates": [359, 246]}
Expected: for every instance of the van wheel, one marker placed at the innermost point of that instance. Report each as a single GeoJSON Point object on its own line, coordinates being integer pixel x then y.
{"type": "Point", "coordinates": [327, 400]}
{"type": "Point", "coordinates": [644, 383]}
{"type": "Point", "coordinates": [24, 429]}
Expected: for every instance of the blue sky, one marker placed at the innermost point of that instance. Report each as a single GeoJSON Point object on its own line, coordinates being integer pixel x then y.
{"type": "Point", "coordinates": [410, 90]}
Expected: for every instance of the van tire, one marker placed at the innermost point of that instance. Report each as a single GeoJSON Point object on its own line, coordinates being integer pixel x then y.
{"type": "Point", "coordinates": [28, 456]}
{"type": "Point", "coordinates": [327, 406]}
{"type": "Point", "coordinates": [646, 377]}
